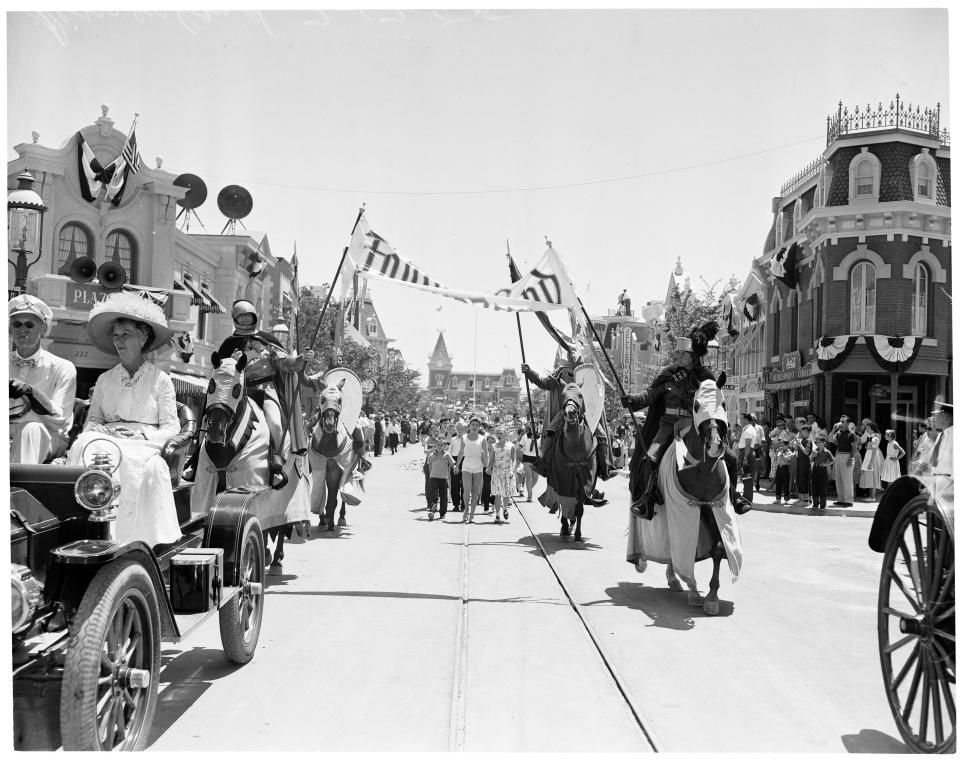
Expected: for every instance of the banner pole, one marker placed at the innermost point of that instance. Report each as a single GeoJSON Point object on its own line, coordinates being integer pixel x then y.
{"type": "Point", "coordinates": [336, 275]}
{"type": "Point", "coordinates": [523, 359]}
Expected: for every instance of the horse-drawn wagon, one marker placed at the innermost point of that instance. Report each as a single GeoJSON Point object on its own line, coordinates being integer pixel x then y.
{"type": "Point", "coordinates": [913, 529]}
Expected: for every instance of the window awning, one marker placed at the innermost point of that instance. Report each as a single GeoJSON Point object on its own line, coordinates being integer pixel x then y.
{"type": "Point", "coordinates": [188, 385]}
{"type": "Point", "coordinates": [186, 285]}
{"type": "Point", "coordinates": [212, 305]}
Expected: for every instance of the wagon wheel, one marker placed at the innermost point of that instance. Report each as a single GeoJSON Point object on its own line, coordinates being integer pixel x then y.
{"type": "Point", "coordinates": [109, 693]}
{"type": "Point", "coordinates": [916, 628]}
{"type": "Point", "coordinates": [240, 618]}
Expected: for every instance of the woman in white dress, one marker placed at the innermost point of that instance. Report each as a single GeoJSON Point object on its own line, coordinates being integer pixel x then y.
{"type": "Point", "coordinates": [891, 464]}
{"type": "Point", "coordinates": [134, 405]}
{"type": "Point", "coordinates": [872, 462]}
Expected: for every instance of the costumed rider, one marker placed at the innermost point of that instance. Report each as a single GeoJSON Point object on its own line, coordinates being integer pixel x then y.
{"type": "Point", "coordinates": [260, 378]}
{"type": "Point", "coordinates": [669, 400]}
{"type": "Point", "coordinates": [42, 386]}
{"type": "Point", "coordinates": [554, 383]}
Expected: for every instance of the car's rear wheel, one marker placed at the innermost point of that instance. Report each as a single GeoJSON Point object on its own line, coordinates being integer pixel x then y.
{"type": "Point", "coordinates": [240, 618]}
{"type": "Point", "coordinates": [109, 693]}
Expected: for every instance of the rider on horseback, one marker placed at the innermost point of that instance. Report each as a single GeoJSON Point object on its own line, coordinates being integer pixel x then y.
{"type": "Point", "coordinates": [670, 398]}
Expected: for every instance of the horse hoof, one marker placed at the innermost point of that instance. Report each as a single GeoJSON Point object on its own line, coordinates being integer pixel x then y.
{"type": "Point", "coordinates": [565, 538]}
{"type": "Point", "coordinates": [711, 607]}
{"type": "Point", "coordinates": [342, 521]}
{"type": "Point", "coordinates": [276, 569]}
{"type": "Point", "coordinates": [579, 543]}
{"type": "Point", "coordinates": [674, 585]}
{"type": "Point", "coordinates": [695, 599]}
{"type": "Point", "coordinates": [640, 565]}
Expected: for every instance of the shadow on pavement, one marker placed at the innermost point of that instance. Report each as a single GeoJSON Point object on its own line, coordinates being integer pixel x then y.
{"type": "Point", "coordinates": [188, 676]}
{"type": "Point", "coordinates": [873, 741]}
{"type": "Point", "coordinates": [552, 543]}
{"type": "Point", "coordinates": [666, 609]}
{"type": "Point", "coordinates": [278, 579]}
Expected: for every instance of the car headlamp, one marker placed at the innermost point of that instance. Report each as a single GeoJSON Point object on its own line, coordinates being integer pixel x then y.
{"type": "Point", "coordinates": [96, 490]}
{"type": "Point", "coordinates": [25, 597]}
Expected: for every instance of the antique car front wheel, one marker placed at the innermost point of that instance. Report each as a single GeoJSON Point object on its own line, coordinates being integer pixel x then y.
{"type": "Point", "coordinates": [916, 628]}
{"type": "Point", "coordinates": [109, 693]}
{"type": "Point", "coordinates": [240, 618]}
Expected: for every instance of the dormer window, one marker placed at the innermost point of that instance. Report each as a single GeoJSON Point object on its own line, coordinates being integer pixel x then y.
{"type": "Point", "coordinates": [923, 176]}
{"type": "Point", "coordinates": [865, 178]}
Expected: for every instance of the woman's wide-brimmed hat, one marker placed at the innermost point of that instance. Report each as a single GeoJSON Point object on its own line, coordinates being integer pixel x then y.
{"type": "Point", "coordinates": [126, 305]}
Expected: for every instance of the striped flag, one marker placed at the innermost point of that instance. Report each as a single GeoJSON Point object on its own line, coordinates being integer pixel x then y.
{"type": "Point", "coordinates": [130, 154]}
{"type": "Point", "coordinates": [92, 173]}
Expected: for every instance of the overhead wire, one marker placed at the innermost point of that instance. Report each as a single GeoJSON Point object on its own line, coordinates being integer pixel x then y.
{"type": "Point", "coordinates": [526, 189]}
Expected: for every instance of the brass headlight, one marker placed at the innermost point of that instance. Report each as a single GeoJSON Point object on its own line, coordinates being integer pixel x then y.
{"type": "Point", "coordinates": [25, 597]}
{"type": "Point", "coordinates": [96, 490]}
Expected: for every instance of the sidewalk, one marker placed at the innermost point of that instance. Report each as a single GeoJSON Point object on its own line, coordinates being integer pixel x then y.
{"type": "Point", "coordinates": [763, 502]}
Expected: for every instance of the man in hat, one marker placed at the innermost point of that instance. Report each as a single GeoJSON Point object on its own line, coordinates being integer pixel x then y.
{"type": "Point", "coordinates": [42, 386]}
{"type": "Point", "coordinates": [669, 399]}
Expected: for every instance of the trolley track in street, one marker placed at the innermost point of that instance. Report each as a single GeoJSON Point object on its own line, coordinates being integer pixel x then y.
{"type": "Point", "coordinates": [457, 736]}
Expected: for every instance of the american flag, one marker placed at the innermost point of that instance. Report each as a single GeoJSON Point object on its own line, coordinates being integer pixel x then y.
{"type": "Point", "coordinates": [130, 154]}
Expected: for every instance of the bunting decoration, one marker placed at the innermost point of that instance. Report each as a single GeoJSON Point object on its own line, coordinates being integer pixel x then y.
{"type": "Point", "coordinates": [833, 350]}
{"type": "Point", "coordinates": [752, 307]}
{"type": "Point", "coordinates": [783, 266]}
{"type": "Point", "coordinates": [731, 316]}
{"type": "Point", "coordinates": [94, 176]}
{"type": "Point", "coordinates": [894, 354]}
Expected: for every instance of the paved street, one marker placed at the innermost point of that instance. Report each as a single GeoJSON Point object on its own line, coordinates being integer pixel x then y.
{"type": "Point", "coordinates": [361, 641]}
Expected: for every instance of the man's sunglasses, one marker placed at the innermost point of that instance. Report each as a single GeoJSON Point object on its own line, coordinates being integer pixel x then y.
{"type": "Point", "coordinates": [18, 324]}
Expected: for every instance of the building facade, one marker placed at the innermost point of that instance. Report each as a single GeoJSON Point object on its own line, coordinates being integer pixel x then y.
{"type": "Point", "coordinates": [196, 276]}
{"type": "Point", "coordinates": [449, 387]}
{"type": "Point", "coordinates": [857, 273]}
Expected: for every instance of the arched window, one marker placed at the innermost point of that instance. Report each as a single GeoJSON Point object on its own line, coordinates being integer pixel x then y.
{"type": "Point", "coordinates": [924, 180]}
{"type": "Point", "coordinates": [864, 178]}
{"type": "Point", "coordinates": [371, 326]}
{"type": "Point", "coordinates": [74, 241]}
{"type": "Point", "coordinates": [919, 300]}
{"type": "Point", "coordinates": [863, 298]}
{"type": "Point", "coordinates": [121, 249]}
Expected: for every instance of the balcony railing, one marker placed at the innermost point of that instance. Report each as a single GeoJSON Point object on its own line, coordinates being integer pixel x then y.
{"type": "Point", "coordinates": [897, 116]}
{"type": "Point", "coordinates": [810, 170]}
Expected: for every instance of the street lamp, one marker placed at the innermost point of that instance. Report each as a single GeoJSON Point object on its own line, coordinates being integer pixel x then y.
{"type": "Point", "coordinates": [281, 332]}
{"type": "Point", "coordinates": [24, 228]}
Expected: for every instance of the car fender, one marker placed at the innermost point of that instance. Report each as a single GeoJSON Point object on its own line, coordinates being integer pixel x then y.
{"type": "Point", "coordinates": [224, 528]}
{"type": "Point", "coordinates": [74, 565]}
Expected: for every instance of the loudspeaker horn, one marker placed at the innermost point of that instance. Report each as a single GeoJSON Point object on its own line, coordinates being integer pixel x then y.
{"type": "Point", "coordinates": [111, 275]}
{"type": "Point", "coordinates": [83, 269]}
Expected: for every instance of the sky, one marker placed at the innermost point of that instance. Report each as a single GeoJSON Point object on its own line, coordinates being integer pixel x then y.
{"type": "Point", "coordinates": [628, 137]}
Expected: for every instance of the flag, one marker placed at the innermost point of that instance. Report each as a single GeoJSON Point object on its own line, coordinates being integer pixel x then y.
{"type": "Point", "coordinates": [563, 341]}
{"type": "Point", "coordinates": [130, 154]}
{"type": "Point", "coordinates": [371, 257]}
{"type": "Point", "coordinates": [732, 316]}
{"type": "Point", "coordinates": [752, 308]}
{"type": "Point", "coordinates": [783, 266]}
{"type": "Point", "coordinates": [92, 173]}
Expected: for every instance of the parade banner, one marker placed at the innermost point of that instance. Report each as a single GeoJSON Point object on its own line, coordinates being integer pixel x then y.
{"type": "Point", "coordinates": [371, 257]}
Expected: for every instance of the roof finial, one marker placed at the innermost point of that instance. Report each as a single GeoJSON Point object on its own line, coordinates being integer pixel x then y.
{"type": "Point", "coordinates": [549, 244]}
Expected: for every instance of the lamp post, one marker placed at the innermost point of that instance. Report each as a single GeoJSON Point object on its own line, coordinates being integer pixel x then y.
{"type": "Point", "coordinates": [281, 332]}
{"type": "Point", "coordinates": [25, 210]}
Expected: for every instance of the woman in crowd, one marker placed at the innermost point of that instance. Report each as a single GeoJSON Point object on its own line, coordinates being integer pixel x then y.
{"type": "Point", "coordinates": [134, 405]}
{"type": "Point", "coordinates": [872, 461]}
{"type": "Point", "coordinates": [528, 458]}
{"type": "Point", "coordinates": [470, 465]}
{"type": "Point", "coordinates": [393, 435]}
{"type": "Point", "coordinates": [891, 463]}
{"type": "Point", "coordinates": [501, 479]}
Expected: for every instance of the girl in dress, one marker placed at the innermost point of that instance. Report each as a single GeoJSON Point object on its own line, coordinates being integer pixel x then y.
{"type": "Point", "coordinates": [872, 462]}
{"type": "Point", "coordinates": [528, 455]}
{"type": "Point", "coordinates": [804, 450]}
{"type": "Point", "coordinates": [501, 479]}
{"type": "Point", "coordinates": [891, 465]}
{"type": "Point", "coordinates": [134, 406]}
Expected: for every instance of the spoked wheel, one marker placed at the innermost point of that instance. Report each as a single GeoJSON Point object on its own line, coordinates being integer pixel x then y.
{"type": "Point", "coordinates": [240, 618]}
{"type": "Point", "coordinates": [109, 693]}
{"type": "Point", "coordinates": [917, 630]}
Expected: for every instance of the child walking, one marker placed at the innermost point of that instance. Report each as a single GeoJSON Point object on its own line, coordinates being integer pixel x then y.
{"type": "Point", "coordinates": [821, 459]}
{"type": "Point", "coordinates": [439, 465]}
{"type": "Point", "coordinates": [501, 479]}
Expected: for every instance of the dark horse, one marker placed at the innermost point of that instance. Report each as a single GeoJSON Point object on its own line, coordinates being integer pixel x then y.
{"type": "Point", "coordinates": [569, 463]}
{"type": "Point", "coordinates": [697, 520]}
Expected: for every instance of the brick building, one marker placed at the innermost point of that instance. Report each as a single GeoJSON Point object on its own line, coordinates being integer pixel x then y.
{"type": "Point", "coordinates": [458, 387]}
{"type": "Point", "coordinates": [859, 320]}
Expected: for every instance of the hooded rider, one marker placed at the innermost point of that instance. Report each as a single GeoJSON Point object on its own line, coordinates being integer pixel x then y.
{"type": "Point", "coordinates": [554, 383]}
{"type": "Point", "coordinates": [669, 400]}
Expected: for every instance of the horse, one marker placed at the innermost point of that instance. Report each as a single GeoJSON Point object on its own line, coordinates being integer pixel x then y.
{"type": "Point", "coordinates": [334, 456]}
{"type": "Point", "coordinates": [697, 520]}
{"type": "Point", "coordinates": [569, 463]}
{"type": "Point", "coordinates": [235, 453]}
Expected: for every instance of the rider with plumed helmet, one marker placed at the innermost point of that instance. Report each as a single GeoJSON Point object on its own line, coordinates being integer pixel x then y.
{"type": "Point", "coordinates": [669, 399]}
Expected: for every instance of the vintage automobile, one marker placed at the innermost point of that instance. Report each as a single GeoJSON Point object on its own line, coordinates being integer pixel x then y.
{"type": "Point", "coordinates": [89, 612]}
{"type": "Point", "coordinates": [913, 529]}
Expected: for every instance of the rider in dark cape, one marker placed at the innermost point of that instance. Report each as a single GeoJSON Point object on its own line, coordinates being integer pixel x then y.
{"type": "Point", "coordinates": [554, 383]}
{"type": "Point", "coordinates": [668, 400]}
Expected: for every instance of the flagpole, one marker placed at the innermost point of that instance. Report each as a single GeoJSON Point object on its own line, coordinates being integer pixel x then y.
{"type": "Point", "coordinates": [296, 295]}
{"type": "Point", "coordinates": [523, 360]}
{"type": "Point", "coordinates": [336, 275]}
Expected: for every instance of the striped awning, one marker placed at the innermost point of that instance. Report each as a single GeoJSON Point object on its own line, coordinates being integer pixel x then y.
{"type": "Point", "coordinates": [186, 285]}
{"type": "Point", "coordinates": [188, 385]}
{"type": "Point", "coordinates": [211, 305]}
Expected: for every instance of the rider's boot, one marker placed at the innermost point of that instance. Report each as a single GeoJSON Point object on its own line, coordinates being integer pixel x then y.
{"type": "Point", "coordinates": [278, 479]}
{"type": "Point", "coordinates": [644, 507]}
{"type": "Point", "coordinates": [740, 504]}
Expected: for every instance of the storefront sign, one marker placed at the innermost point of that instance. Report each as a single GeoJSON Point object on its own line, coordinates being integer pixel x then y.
{"type": "Point", "coordinates": [791, 361]}
{"type": "Point", "coordinates": [776, 377]}
{"type": "Point", "coordinates": [85, 295]}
